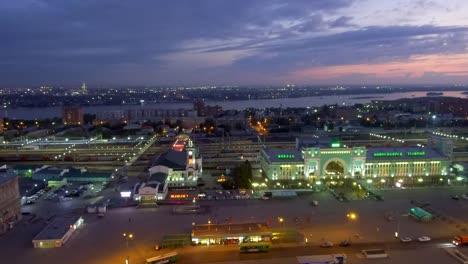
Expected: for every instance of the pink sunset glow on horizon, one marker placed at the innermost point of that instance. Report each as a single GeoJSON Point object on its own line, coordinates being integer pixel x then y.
{"type": "Point", "coordinates": [413, 68]}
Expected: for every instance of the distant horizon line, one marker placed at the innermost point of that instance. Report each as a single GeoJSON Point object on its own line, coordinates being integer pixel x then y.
{"type": "Point", "coordinates": [287, 85]}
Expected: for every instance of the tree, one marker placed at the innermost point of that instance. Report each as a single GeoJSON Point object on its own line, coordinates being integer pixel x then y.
{"type": "Point", "coordinates": [243, 175]}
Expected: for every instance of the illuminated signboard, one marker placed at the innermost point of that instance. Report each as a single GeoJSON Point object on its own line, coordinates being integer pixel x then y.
{"type": "Point", "coordinates": [399, 154]}
{"type": "Point", "coordinates": [125, 194]}
{"type": "Point", "coordinates": [388, 154]}
{"type": "Point", "coordinates": [335, 144]}
{"type": "Point", "coordinates": [416, 153]}
{"type": "Point", "coordinates": [285, 156]}
{"type": "Point", "coordinates": [179, 195]}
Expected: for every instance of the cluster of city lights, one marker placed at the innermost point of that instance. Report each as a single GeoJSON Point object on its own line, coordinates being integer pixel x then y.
{"type": "Point", "coordinates": [67, 150]}
{"type": "Point", "coordinates": [450, 136]}
{"type": "Point", "coordinates": [387, 137]}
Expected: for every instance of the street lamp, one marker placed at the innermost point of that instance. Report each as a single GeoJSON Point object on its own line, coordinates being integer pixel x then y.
{"type": "Point", "coordinates": [128, 236]}
{"type": "Point", "coordinates": [352, 216]}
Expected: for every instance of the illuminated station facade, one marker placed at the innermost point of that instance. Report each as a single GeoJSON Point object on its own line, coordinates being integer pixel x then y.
{"type": "Point", "coordinates": [313, 162]}
{"type": "Point", "coordinates": [178, 168]}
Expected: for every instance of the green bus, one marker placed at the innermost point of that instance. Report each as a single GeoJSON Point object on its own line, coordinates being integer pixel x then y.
{"type": "Point", "coordinates": [420, 214]}
{"type": "Point", "coordinates": [254, 247]}
{"type": "Point", "coordinates": [166, 258]}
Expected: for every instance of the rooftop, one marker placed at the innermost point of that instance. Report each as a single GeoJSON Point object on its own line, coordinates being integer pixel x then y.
{"type": "Point", "coordinates": [6, 175]}
{"type": "Point", "coordinates": [49, 170]}
{"type": "Point", "coordinates": [58, 228]}
{"type": "Point", "coordinates": [216, 230]}
{"type": "Point", "coordinates": [79, 173]}
{"type": "Point", "coordinates": [172, 159]}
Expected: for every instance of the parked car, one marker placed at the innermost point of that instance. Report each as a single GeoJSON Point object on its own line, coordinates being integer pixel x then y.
{"type": "Point", "coordinates": [326, 244]}
{"type": "Point", "coordinates": [456, 197]}
{"type": "Point", "coordinates": [465, 196]}
{"type": "Point", "coordinates": [345, 243]}
{"type": "Point", "coordinates": [424, 239]}
{"type": "Point", "coordinates": [406, 239]}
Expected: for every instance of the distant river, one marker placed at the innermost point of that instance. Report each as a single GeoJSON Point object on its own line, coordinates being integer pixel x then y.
{"type": "Point", "coordinates": [350, 99]}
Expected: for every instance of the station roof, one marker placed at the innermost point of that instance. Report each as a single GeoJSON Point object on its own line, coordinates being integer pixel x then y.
{"type": "Point", "coordinates": [402, 153]}
{"type": "Point", "coordinates": [77, 173]}
{"type": "Point", "coordinates": [172, 159]}
{"type": "Point", "coordinates": [26, 167]}
{"type": "Point", "coordinates": [157, 178]}
{"type": "Point", "coordinates": [217, 230]}
{"type": "Point", "coordinates": [50, 171]}
{"type": "Point", "coordinates": [284, 155]}
{"type": "Point", "coordinates": [57, 228]}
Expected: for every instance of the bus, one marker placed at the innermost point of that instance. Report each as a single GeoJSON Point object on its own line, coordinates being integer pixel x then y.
{"type": "Point", "coordinates": [420, 214]}
{"type": "Point", "coordinates": [166, 258]}
{"type": "Point", "coordinates": [254, 247]}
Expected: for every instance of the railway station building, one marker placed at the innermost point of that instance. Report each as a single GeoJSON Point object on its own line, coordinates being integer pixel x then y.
{"type": "Point", "coordinates": [325, 160]}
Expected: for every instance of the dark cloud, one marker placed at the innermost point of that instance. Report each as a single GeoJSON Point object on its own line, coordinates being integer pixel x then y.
{"type": "Point", "coordinates": [343, 21]}
{"type": "Point", "coordinates": [129, 42]}
{"type": "Point", "coordinates": [369, 45]}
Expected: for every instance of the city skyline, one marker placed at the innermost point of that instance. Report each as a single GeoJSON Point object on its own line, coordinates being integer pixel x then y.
{"type": "Point", "coordinates": [233, 42]}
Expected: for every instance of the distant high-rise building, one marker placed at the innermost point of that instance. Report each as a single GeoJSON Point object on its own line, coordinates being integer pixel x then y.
{"type": "Point", "coordinates": [207, 110]}
{"type": "Point", "coordinates": [72, 116]}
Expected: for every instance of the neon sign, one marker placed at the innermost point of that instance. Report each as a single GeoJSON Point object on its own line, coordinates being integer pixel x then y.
{"type": "Point", "coordinates": [179, 195]}
{"type": "Point", "coordinates": [285, 156]}
{"type": "Point", "coordinates": [399, 154]}
{"type": "Point", "coordinates": [388, 154]}
{"type": "Point", "coordinates": [416, 153]}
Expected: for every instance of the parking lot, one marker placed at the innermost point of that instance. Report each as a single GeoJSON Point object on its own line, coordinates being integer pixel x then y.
{"type": "Point", "coordinates": [326, 222]}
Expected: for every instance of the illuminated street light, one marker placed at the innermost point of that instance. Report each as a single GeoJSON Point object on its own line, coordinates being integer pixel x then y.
{"type": "Point", "coordinates": [352, 216]}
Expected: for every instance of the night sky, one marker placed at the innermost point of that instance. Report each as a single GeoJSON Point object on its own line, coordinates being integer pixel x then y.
{"type": "Point", "coordinates": [232, 42]}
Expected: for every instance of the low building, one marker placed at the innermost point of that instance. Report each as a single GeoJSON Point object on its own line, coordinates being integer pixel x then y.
{"type": "Point", "coordinates": [48, 173]}
{"type": "Point", "coordinates": [155, 188]}
{"type": "Point", "coordinates": [83, 175]}
{"type": "Point", "coordinates": [10, 203]}
{"type": "Point", "coordinates": [57, 176]}
{"type": "Point", "coordinates": [230, 233]}
{"type": "Point", "coordinates": [57, 232]}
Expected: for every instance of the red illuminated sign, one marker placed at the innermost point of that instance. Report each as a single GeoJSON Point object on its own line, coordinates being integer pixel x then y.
{"type": "Point", "coordinates": [179, 195]}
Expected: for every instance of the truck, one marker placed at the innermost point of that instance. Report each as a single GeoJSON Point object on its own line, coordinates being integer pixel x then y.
{"type": "Point", "coordinates": [460, 240]}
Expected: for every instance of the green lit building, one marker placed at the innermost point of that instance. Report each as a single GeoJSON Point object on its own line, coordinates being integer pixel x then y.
{"type": "Point", "coordinates": [332, 160]}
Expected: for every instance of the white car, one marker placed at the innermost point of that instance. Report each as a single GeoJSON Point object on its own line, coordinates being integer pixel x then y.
{"type": "Point", "coordinates": [424, 239]}
{"type": "Point", "coordinates": [465, 196]}
{"type": "Point", "coordinates": [263, 197]}
{"type": "Point", "coordinates": [406, 239]}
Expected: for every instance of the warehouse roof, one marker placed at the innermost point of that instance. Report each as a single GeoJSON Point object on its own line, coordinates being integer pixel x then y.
{"type": "Point", "coordinates": [57, 228]}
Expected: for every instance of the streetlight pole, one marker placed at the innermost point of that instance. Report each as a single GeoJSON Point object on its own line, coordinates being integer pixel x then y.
{"type": "Point", "coordinates": [397, 232]}
{"type": "Point", "coordinates": [127, 237]}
